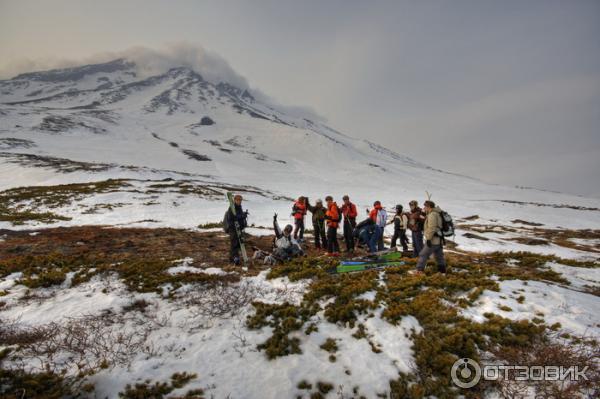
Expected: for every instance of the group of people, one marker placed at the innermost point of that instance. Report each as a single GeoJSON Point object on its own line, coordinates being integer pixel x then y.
{"type": "Point", "coordinates": [425, 226]}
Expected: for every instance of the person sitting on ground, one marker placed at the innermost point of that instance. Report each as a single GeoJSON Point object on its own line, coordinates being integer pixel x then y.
{"type": "Point", "coordinates": [416, 220]}
{"type": "Point", "coordinates": [363, 232]}
{"type": "Point", "coordinates": [379, 216]}
{"type": "Point", "coordinates": [285, 246]}
{"type": "Point", "coordinates": [298, 212]}
{"type": "Point", "coordinates": [400, 225]}
{"type": "Point", "coordinates": [434, 243]}
{"type": "Point", "coordinates": [318, 221]}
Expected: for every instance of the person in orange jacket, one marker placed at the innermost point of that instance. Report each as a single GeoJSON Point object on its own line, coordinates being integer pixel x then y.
{"type": "Point", "coordinates": [350, 213]}
{"type": "Point", "coordinates": [333, 217]}
{"type": "Point", "coordinates": [298, 212]}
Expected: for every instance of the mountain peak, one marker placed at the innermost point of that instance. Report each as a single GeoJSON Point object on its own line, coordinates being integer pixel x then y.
{"type": "Point", "coordinates": [77, 73]}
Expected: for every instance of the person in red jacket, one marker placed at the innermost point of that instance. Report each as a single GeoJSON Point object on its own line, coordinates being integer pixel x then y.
{"type": "Point", "coordinates": [350, 213]}
{"type": "Point", "coordinates": [298, 212]}
{"type": "Point", "coordinates": [333, 220]}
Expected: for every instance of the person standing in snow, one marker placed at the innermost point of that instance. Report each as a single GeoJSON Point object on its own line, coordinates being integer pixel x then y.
{"type": "Point", "coordinates": [400, 225]}
{"type": "Point", "coordinates": [416, 220]}
{"type": "Point", "coordinates": [234, 240]}
{"type": "Point", "coordinates": [433, 228]}
{"type": "Point", "coordinates": [379, 216]}
{"type": "Point", "coordinates": [298, 212]}
{"type": "Point", "coordinates": [333, 220]}
{"type": "Point", "coordinates": [350, 213]}
{"type": "Point", "coordinates": [318, 221]}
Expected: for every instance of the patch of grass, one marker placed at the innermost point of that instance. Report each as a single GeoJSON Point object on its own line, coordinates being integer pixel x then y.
{"type": "Point", "coordinates": [302, 268]}
{"type": "Point", "coordinates": [159, 390]}
{"type": "Point", "coordinates": [329, 345]}
{"type": "Point", "coordinates": [138, 274]}
{"type": "Point", "coordinates": [324, 387]}
{"type": "Point", "coordinates": [304, 385]}
{"type": "Point", "coordinates": [21, 204]}
{"type": "Point", "coordinates": [210, 225]}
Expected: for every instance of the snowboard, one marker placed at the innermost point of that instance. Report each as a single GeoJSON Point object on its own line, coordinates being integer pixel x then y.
{"type": "Point", "coordinates": [238, 230]}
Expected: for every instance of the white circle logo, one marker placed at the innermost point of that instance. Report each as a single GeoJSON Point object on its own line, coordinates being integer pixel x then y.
{"type": "Point", "coordinates": [465, 373]}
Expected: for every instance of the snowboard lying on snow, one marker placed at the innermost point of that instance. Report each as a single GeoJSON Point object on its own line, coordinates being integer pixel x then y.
{"type": "Point", "coordinates": [370, 262]}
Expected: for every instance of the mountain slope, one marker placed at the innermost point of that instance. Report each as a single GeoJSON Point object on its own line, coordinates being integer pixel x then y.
{"type": "Point", "coordinates": [176, 124]}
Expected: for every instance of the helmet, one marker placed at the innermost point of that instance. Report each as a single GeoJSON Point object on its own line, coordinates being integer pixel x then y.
{"type": "Point", "coordinates": [288, 228]}
{"type": "Point", "coordinates": [399, 207]}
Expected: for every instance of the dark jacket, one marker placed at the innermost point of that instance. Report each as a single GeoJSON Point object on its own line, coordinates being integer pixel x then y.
{"type": "Point", "coordinates": [318, 213]}
{"type": "Point", "coordinates": [416, 219]}
{"type": "Point", "coordinates": [240, 216]}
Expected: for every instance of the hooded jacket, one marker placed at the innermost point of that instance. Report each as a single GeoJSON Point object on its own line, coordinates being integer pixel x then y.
{"type": "Point", "coordinates": [433, 225]}
{"type": "Point", "coordinates": [332, 215]}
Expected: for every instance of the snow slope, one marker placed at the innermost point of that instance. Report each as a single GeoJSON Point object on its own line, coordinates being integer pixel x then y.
{"type": "Point", "coordinates": [178, 124]}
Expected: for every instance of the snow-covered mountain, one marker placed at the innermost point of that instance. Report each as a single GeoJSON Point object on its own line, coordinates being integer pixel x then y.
{"type": "Point", "coordinates": [110, 145]}
{"type": "Point", "coordinates": [177, 124]}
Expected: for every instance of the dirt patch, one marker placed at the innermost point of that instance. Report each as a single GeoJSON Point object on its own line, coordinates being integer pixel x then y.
{"type": "Point", "coordinates": [117, 244]}
{"type": "Point", "coordinates": [525, 222]}
{"type": "Point", "coordinates": [530, 241]}
{"type": "Point", "coordinates": [475, 236]}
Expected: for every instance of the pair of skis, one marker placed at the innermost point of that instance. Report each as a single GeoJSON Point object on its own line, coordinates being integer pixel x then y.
{"type": "Point", "coordinates": [371, 262]}
{"type": "Point", "coordinates": [238, 230]}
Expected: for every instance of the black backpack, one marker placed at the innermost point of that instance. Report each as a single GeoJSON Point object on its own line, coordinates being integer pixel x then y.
{"type": "Point", "coordinates": [447, 229]}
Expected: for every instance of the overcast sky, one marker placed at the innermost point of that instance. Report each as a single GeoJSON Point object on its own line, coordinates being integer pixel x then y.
{"type": "Point", "coordinates": [506, 91]}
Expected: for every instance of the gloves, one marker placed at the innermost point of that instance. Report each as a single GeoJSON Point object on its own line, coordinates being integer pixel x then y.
{"type": "Point", "coordinates": [275, 217]}
{"type": "Point", "coordinates": [428, 243]}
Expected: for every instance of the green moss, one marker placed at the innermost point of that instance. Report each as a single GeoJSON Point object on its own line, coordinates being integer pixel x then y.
{"type": "Point", "coordinates": [330, 345]}
{"type": "Point", "coordinates": [324, 387]}
{"type": "Point", "coordinates": [159, 390]}
{"type": "Point", "coordinates": [139, 274]}
{"type": "Point", "coordinates": [304, 385]}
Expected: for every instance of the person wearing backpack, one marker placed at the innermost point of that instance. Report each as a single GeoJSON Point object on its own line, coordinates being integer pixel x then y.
{"type": "Point", "coordinates": [333, 217]}
{"type": "Point", "coordinates": [298, 212]}
{"type": "Point", "coordinates": [379, 216]}
{"type": "Point", "coordinates": [363, 232]}
{"type": "Point", "coordinates": [350, 213]}
{"type": "Point", "coordinates": [416, 220]}
{"type": "Point", "coordinates": [229, 227]}
{"type": "Point", "coordinates": [400, 225]}
{"type": "Point", "coordinates": [318, 221]}
{"type": "Point", "coordinates": [433, 238]}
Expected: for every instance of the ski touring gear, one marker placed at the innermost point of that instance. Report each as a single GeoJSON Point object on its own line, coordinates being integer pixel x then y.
{"type": "Point", "coordinates": [366, 266]}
